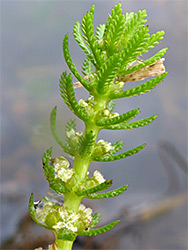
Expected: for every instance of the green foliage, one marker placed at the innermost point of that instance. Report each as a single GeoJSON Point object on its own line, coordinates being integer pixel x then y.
{"type": "Point", "coordinates": [111, 59]}
{"type": "Point", "coordinates": [132, 125]}
{"type": "Point", "coordinates": [141, 89]}
{"type": "Point", "coordinates": [100, 31]}
{"type": "Point", "coordinates": [145, 63]}
{"type": "Point", "coordinates": [87, 68]}
{"type": "Point", "coordinates": [88, 31]}
{"type": "Point", "coordinates": [71, 65]}
{"type": "Point", "coordinates": [119, 156]}
{"type": "Point", "coordinates": [54, 183]}
{"type": "Point", "coordinates": [96, 218]}
{"type": "Point", "coordinates": [107, 73]}
{"type": "Point", "coordinates": [111, 105]}
{"type": "Point", "coordinates": [94, 232]}
{"type": "Point", "coordinates": [115, 26]}
{"type": "Point", "coordinates": [54, 131]}
{"type": "Point", "coordinates": [118, 119]}
{"type": "Point", "coordinates": [109, 194]}
{"type": "Point", "coordinates": [95, 189]}
{"type": "Point", "coordinates": [85, 144]}
{"type": "Point", "coordinates": [117, 147]}
{"type": "Point", "coordinates": [67, 92]}
{"type": "Point", "coordinates": [32, 213]}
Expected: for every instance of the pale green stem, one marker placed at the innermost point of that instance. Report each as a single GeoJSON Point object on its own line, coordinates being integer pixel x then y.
{"type": "Point", "coordinates": [81, 165]}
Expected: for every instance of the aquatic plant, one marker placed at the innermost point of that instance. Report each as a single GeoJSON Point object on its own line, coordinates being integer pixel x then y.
{"type": "Point", "coordinates": [112, 59]}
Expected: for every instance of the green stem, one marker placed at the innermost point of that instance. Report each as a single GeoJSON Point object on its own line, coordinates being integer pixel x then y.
{"type": "Point", "coordinates": [81, 165]}
{"type": "Point", "coordinates": [63, 244]}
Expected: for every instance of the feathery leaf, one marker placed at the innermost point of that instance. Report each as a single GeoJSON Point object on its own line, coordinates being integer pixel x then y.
{"type": "Point", "coordinates": [141, 89]}
{"type": "Point", "coordinates": [109, 194]}
{"type": "Point", "coordinates": [114, 29]}
{"type": "Point", "coordinates": [54, 130]}
{"type": "Point", "coordinates": [87, 68]}
{"type": "Point", "coordinates": [94, 232]}
{"type": "Point", "coordinates": [117, 147]}
{"type": "Point", "coordinates": [54, 183]}
{"type": "Point", "coordinates": [79, 39]}
{"type": "Point", "coordinates": [147, 62]}
{"type": "Point", "coordinates": [108, 72]}
{"type": "Point", "coordinates": [88, 31]}
{"type": "Point", "coordinates": [119, 156]}
{"type": "Point", "coordinates": [85, 144]}
{"type": "Point", "coordinates": [106, 184]}
{"type": "Point", "coordinates": [132, 125]}
{"type": "Point", "coordinates": [100, 31]}
{"type": "Point", "coordinates": [71, 65]}
{"type": "Point", "coordinates": [67, 92]}
{"type": "Point", "coordinates": [118, 119]}
{"type": "Point", "coordinates": [111, 105]}
{"type": "Point", "coordinates": [133, 23]}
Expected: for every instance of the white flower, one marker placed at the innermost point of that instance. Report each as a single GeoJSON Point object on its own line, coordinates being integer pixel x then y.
{"type": "Point", "coordinates": [101, 142]}
{"type": "Point", "coordinates": [98, 176]}
{"type": "Point", "coordinates": [68, 220]}
{"type": "Point", "coordinates": [82, 207]}
{"type": "Point", "coordinates": [64, 174]}
{"type": "Point", "coordinates": [106, 112]}
{"type": "Point", "coordinates": [61, 162]}
{"type": "Point", "coordinates": [86, 211]}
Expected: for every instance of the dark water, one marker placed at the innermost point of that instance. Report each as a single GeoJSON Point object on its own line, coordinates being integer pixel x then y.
{"type": "Point", "coordinates": [32, 62]}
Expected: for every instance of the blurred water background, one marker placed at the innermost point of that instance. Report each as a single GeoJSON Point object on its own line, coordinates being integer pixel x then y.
{"type": "Point", "coordinates": [32, 61]}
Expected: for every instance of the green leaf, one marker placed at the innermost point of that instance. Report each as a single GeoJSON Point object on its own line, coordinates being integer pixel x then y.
{"type": "Point", "coordinates": [100, 31]}
{"type": "Point", "coordinates": [117, 147]}
{"type": "Point", "coordinates": [111, 105]}
{"type": "Point", "coordinates": [108, 72]}
{"type": "Point", "coordinates": [154, 39]}
{"type": "Point", "coordinates": [114, 29]}
{"type": "Point", "coordinates": [109, 194]}
{"type": "Point", "coordinates": [119, 156]}
{"type": "Point", "coordinates": [85, 144]}
{"type": "Point", "coordinates": [54, 183]}
{"type": "Point", "coordinates": [33, 215]}
{"type": "Point", "coordinates": [133, 23]}
{"type": "Point", "coordinates": [106, 184]}
{"type": "Point", "coordinates": [118, 119]}
{"type": "Point", "coordinates": [96, 218]}
{"type": "Point", "coordinates": [141, 89]}
{"type": "Point", "coordinates": [79, 39]}
{"type": "Point", "coordinates": [94, 232]}
{"type": "Point", "coordinates": [67, 92]}
{"type": "Point", "coordinates": [87, 68]}
{"type": "Point", "coordinates": [71, 65]}
{"type": "Point", "coordinates": [134, 48]}
{"type": "Point", "coordinates": [71, 125]}
{"type": "Point", "coordinates": [132, 125]}
{"type": "Point", "coordinates": [88, 31]}
{"type": "Point", "coordinates": [54, 130]}
{"type": "Point", "coordinates": [147, 62]}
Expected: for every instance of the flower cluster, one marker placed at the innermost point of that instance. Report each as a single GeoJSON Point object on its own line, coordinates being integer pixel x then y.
{"type": "Point", "coordinates": [62, 170]}
{"type": "Point", "coordinates": [88, 105]}
{"type": "Point", "coordinates": [98, 177]}
{"type": "Point", "coordinates": [102, 147]}
{"type": "Point", "coordinates": [107, 114]}
{"type": "Point", "coordinates": [58, 217]}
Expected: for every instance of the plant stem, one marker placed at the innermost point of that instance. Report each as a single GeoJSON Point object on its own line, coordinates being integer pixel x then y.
{"type": "Point", "coordinates": [81, 165]}
{"type": "Point", "coordinates": [63, 244]}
